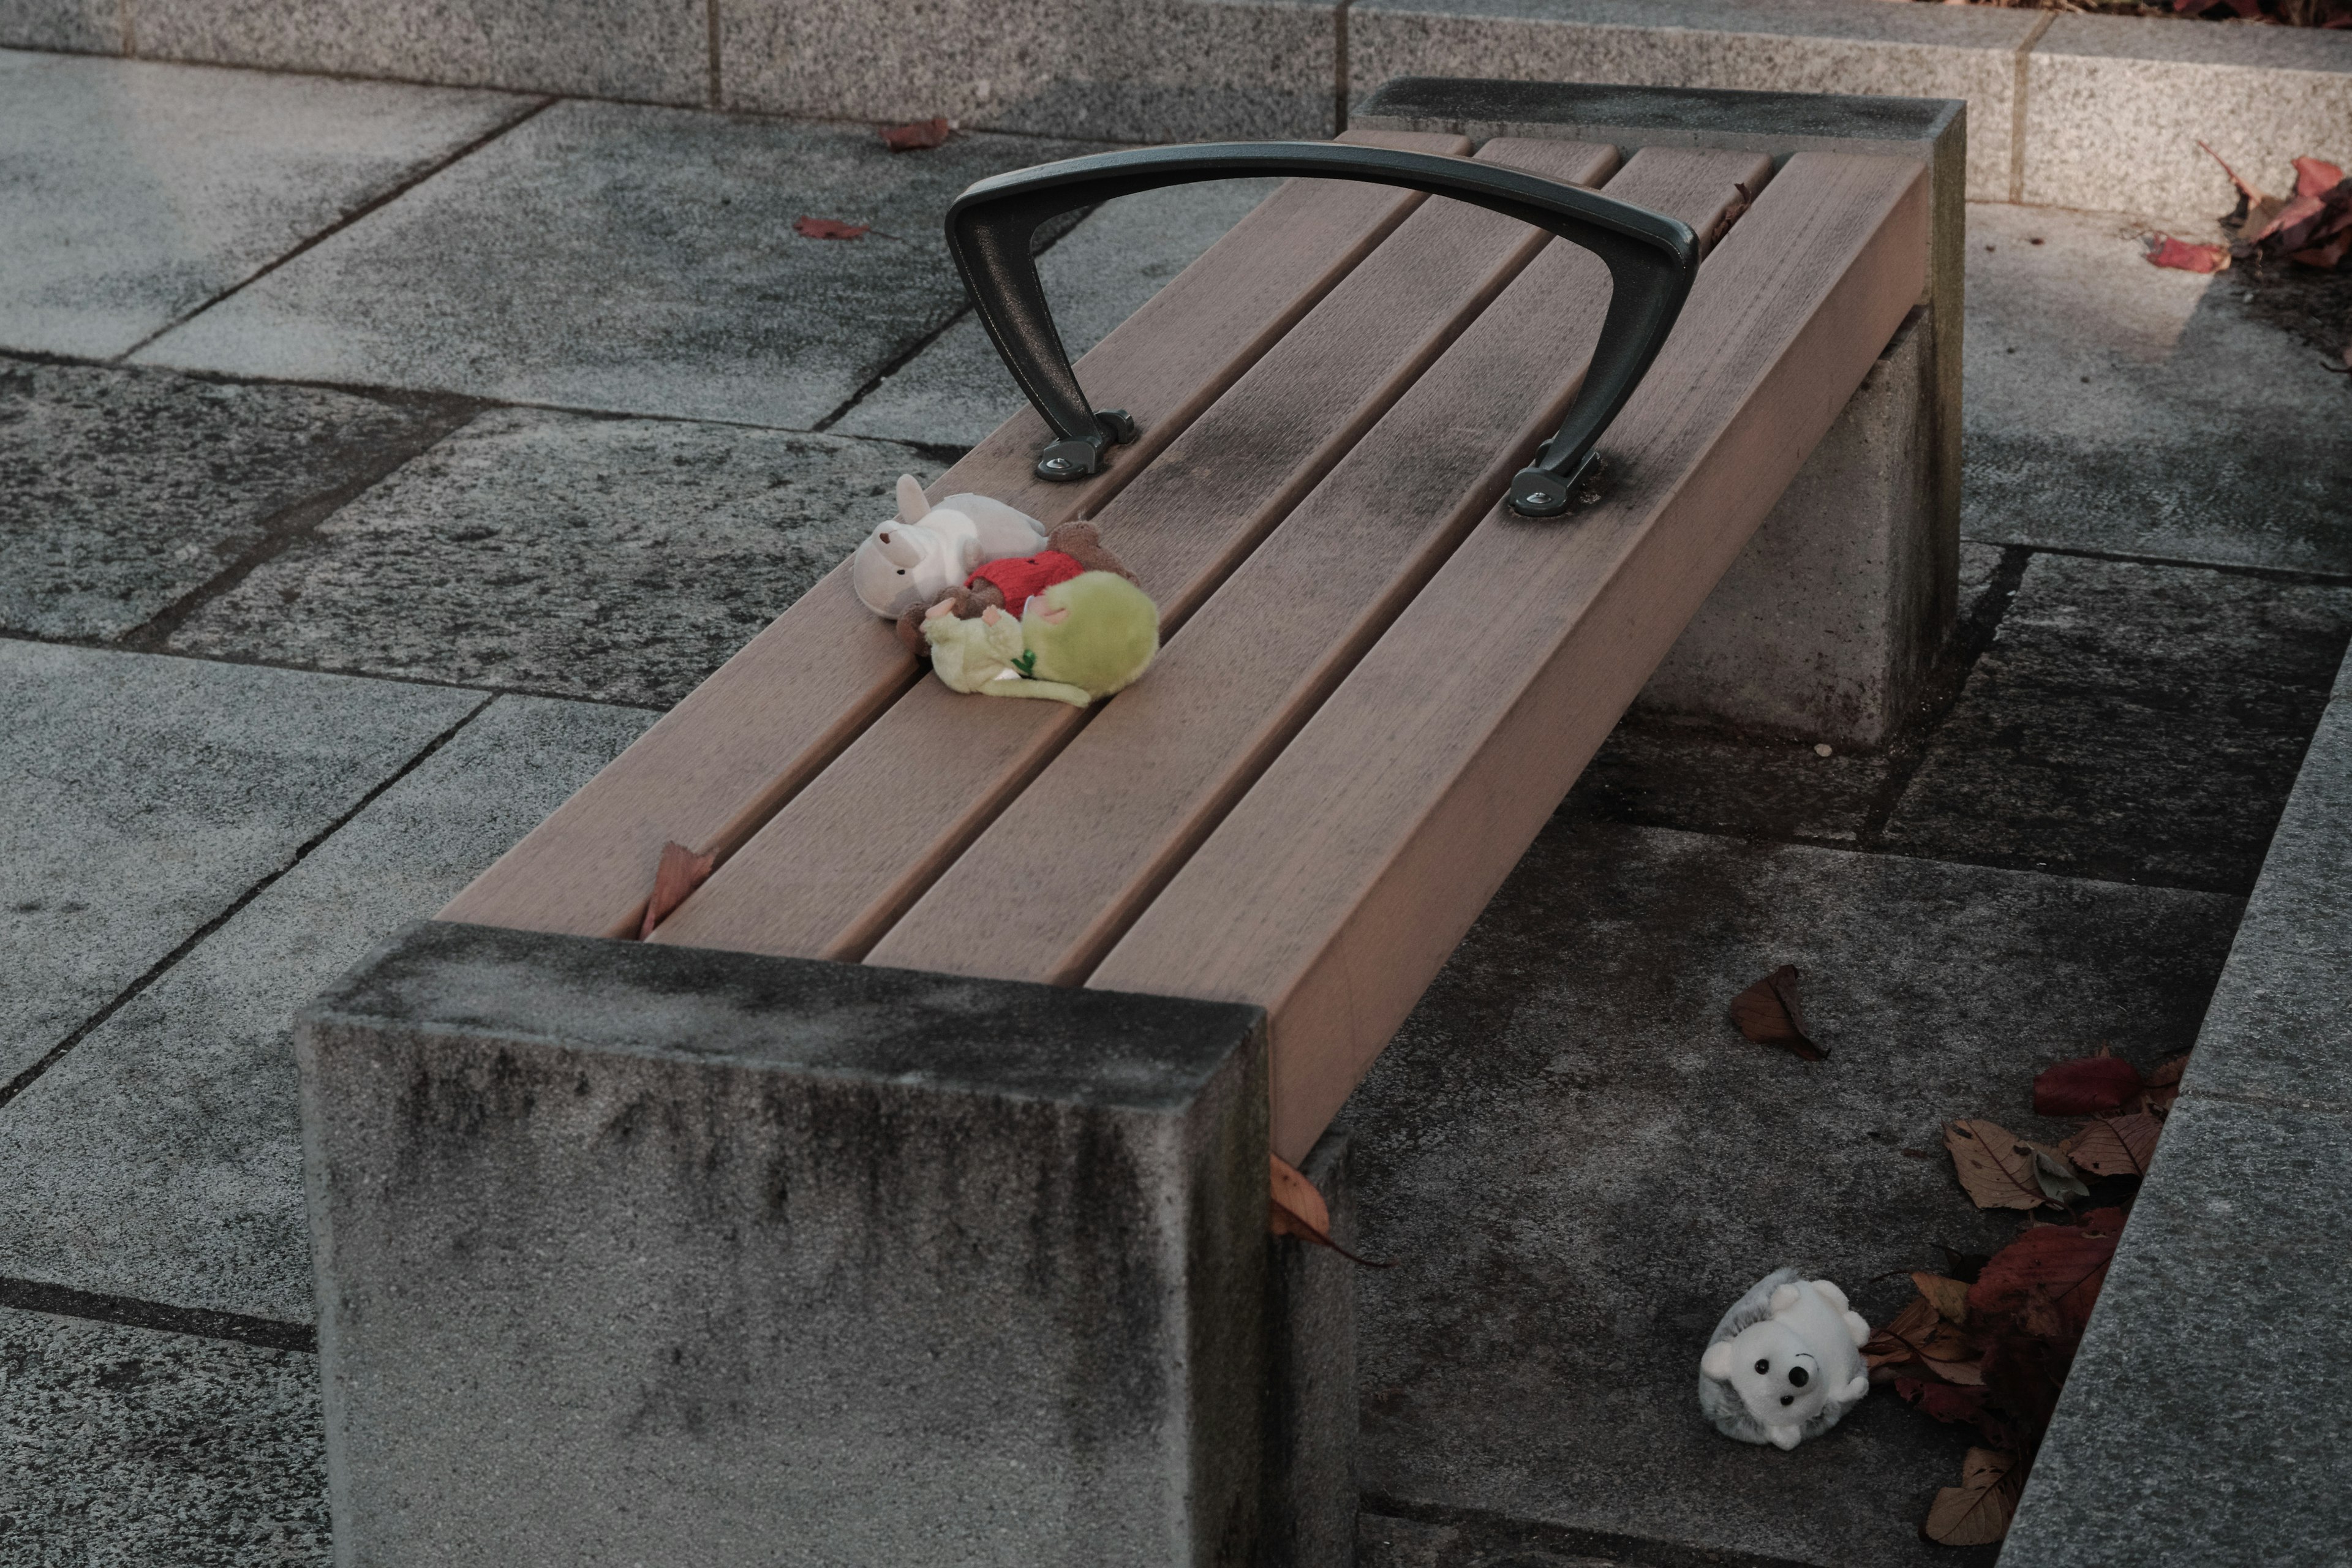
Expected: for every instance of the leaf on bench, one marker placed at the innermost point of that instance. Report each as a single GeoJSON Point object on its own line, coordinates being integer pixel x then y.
{"type": "Point", "coordinates": [1766, 1013]}
{"type": "Point", "coordinates": [680, 872]}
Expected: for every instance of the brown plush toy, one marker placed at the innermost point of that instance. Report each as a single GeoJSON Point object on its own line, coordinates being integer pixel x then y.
{"type": "Point", "coordinates": [1008, 584]}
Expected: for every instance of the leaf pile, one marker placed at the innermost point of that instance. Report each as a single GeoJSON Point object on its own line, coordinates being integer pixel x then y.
{"type": "Point", "coordinates": [2312, 227]}
{"type": "Point", "coordinates": [1988, 1344]}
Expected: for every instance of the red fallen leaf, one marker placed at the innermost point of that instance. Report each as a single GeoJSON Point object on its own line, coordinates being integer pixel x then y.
{"type": "Point", "coordinates": [1977, 1511]}
{"type": "Point", "coordinates": [2251, 194]}
{"type": "Point", "coordinates": [2324, 257]}
{"type": "Point", "coordinates": [2115, 1145]}
{"type": "Point", "coordinates": [2089, 1086]}
{"type": "Point", "coordinates": [1295, 1208]}
{"type": "Point", "coordinates": [2060, 1265]}
{"type": "Point", "coordinates": [2314, 178]}
{"type": "Point", "coordinates": [921, 135]}
{"type": "Point", "coordinates": [2104, 1222]}
{"type": "Point", "coordinates": [828, 228]}
{"type": "Point", "coordinates": [1767, 1014]}
{"type": "Point", "coordinates": [680, 872]}
{"type": "Point", "coordinates": [2182, 256]}
{"type": "Point", "coordinates": [1943, 1401]}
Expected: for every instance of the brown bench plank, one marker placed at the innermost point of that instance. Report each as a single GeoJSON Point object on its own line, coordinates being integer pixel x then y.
{"type": "Point", "coordinates": [1337, 887]}
{"type": "Point", "coordinates": [718, 765]}
{"type": "Point", "coordinates": [863, 839]}
{"type": "Point", "coordinates": [1088, 844]}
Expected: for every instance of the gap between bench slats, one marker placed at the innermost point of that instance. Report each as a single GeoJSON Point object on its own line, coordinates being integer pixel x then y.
{"type": "Point", "coordinates": [718, 765]}
{"type": "Point", "coordinates": [1102, 827]}
{"type": "Point", "coordinates": [862, 840]}
{"type": "Point", "coordinates": [1337, 887]}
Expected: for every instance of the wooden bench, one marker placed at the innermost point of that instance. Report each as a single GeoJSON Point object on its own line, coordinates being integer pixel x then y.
{"type": "Point", "coordinates": [1375, 684]}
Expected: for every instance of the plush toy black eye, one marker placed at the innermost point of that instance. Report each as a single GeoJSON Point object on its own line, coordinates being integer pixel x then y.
{"type": "Point", "coordinates": [1763, 1366]}
{"type": "Point", "coordinates": [1799, 1377]}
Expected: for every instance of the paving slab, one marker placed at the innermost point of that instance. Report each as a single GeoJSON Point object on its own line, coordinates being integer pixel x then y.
{"type": "Point", "coordinates": [127, 1447]}
{"type": "Point", "coordinates": [2281, 1027]}
{"type": "Point", "coordinates": [1788, 45]}
{"type": "Point", "coordinates": [1578, 1163]}
{"type": "Point", "coordinates": [2134, 721]}
{"type": "Point", "coordinates": [1143, 71]}
{"type": "Point", "coordinates": [160, 1158]}
{"type": "Point", "coordinates": [132, 192]}
{"type": "Point", "coordinates": [126, 490]}
{"type": "Point", "coordinates": [88, 26]}
{"type": "Point", "coordinates": [956, 391]}
{"type": "Point", "coordinates": [657, 50]}
{"type": "Point", "coordinates": [146, 795]}
{"type": "Point", "coordinates": [2117, 407]}
{"type": "Point", "coordinates": [630, 259]}
{"type": "Point", "coordinates": [2208, 1418]}
{"type": "Point", "coordinates": [620, 560]}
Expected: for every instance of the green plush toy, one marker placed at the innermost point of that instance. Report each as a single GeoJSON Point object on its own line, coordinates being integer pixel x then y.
{"type": "Point", "coordinates": [1079, 640]}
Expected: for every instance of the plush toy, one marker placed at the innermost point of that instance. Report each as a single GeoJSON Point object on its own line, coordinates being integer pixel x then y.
{"type": "Point", "coordinates": [929, 550]}
{"type": "Point", "coordinates": [1079, 640]}
{"type": "Point", "coordinates": [1785, 1363]}
{"type": "Point", "coordinates": [1010, 583]}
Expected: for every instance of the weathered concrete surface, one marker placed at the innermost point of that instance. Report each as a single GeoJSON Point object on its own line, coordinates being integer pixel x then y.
{"type": "Point", "coordinates": [125, 491]}
{"type": "Point", "coordinates": [656, 50]}
{"type": "Point", "coordinates": [639, 1253]}
{"type": "Point", "coordinates": [2208, 1418]}
{"type": "Point", "coordinates": [2281, 1025]}
{"type": "Point", "coordinates": [617, 559]}
{"type": "Point", "coordinates": [146, 795]}
{"type": "Point", "coordinates": [2259, 95]}
{"type": "Point", "coordinates": [1308, 1508]}
{"type": "Point", "coordinates": [957, 390]}
{"type": "Point", "coordinates": [131, 194]}
{"type": "Point", "coordinates": [1579, 1162]}
{"type": "Point", "coordinates": [128, 1447]}
{"type": "Point", "coordinates": [161, 1159]}
{"type": "Point", "coordinates": [1791, 45]}
{"type": "Point", "coordinates": [1140, 71]}
{"type": "Point", "coordinates": [1384, 1541]}
{"type": "Point", "coordinates": [630, 259]}
{"type": "Point", "coordinates": [2121, 407]}
{"type": "Point", "coordinates": [2142, 723]}
{"type": "Point", "coordinates": [86, 26]}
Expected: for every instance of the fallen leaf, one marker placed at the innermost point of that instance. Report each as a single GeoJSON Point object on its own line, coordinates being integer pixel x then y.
{"type": "Point", "coordinates": [1942, 1400]}
{"type": "Point", "coordinates": [2061, 1266]}
{"type": "Point", "coordinates": [828, 228]}
{"type": "Point", "coordinates": [2089, 1086]}
{"type": "Point", "coordinates": [2104, 1222]}
{"type": "Point", "coordinates": [2061, 1183]}
{"type": "Point", "coordinates": [918, 137]}
{"type": "Point", "coordinates": [1295, 1208]}
{"type": "Point", "coordinates": [2163, 1085]}
{"type": "Point", "coordinates": [680, 872]}
{"type": "Point", "coordinates": [1949, 1297]}
{"type": "Point", "coordinates": [2249, 196]}
{"type": "Point", "coordinates": [2314, 177]}
{"type": "Point", "coordinates": [1731, 214]}
{"type": "Point", "coordinates": [1766, 1013]}
{"type": "Point", "coordinates": [1998, 1169]}
{"type": "Point", "coordinates": [2182, 256]}
{"type": "Point", "coordinates": [1898, 1339]}
{"type": "Point", "coordinates": [2115, 1145]}
{"type": "Point", "coordinates": [1963, 1267]}
{"type": "Point", "coordinates": [1976, 1512]}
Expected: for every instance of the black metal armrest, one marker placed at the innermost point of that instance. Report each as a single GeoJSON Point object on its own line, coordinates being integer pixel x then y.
{"type": "Point", "coordinates": [1652, 259]}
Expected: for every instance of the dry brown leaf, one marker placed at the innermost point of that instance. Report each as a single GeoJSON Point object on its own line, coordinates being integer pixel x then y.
{"type": "Point", "coordinates": [829, 228]}
{"type": "Point", "coordinates": [1766, 1013]}
{"type": "Point", "coordinates": [1295, 1208]}
{"type": "Point", "coordinates": [680, 872]}
{"type": "Point", "coordinates": [1998, 1169]}
{"type": "Point", "coordinates": [1899, 1340]}
{"type": "Point", "coordinates": [2163, 250]}
{"type": "Point", "coordinates": [920, 136]}
{"type": "Point", "coordinates": [1976, 1512]}
{"type": "Point", "coordinates": [1949, 1297]}
{"type": "Point", "coordinates": [2115, 1145]}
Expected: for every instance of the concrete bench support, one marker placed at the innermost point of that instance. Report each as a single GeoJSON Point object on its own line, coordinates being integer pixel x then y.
{"type": "Point", "coordinates": [1830, 620]}
{"type": "Point", "coordinates": [640, 1254]}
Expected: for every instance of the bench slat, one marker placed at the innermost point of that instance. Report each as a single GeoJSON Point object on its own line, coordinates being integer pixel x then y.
{"type": "Point", "coordinates": [866, 837]}
{"type": "Point", "coordinates": [721, 763]}
{"type": "Point", "coordinates": [1335, 888]}
{"type": "Point", "coordinates": [1088, 844]}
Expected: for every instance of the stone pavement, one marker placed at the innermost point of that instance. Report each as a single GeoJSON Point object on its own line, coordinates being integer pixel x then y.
{"type": "Point", "coordinates": [376, 461]}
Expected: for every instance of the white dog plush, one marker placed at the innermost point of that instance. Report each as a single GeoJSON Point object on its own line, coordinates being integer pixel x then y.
{"type": "Point", "coordinates": [1785, 1363]}
{"type": "Point", "coordinates": [927, 550]}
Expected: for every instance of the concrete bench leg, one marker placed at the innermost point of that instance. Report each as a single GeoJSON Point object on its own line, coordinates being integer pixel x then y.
{"type": "Point", "coordinates": [631, 1253]}
{"type": "Point", "coordinates": [1830, 621]}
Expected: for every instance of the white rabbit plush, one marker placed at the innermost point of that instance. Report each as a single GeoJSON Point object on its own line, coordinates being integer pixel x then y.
{"type": "Point", "coordinates": [1786, 1362]}
{"type": "Point", "coordinates": [927, 550]}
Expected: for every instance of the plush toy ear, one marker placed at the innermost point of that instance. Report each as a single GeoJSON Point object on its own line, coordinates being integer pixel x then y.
{"type": "Point", "coordinates": [911, 503]}
{"type": "Point", "coordinates": [1716, 1363]}
{"type": "Point", "coordinates": [1857, 1388]}
{"type": "Point", "coordinates": [1784, 1299]}
{"type": "Point", "coordinates": [1855, 1326]}
{"type": "Point", "coordinates": [1835, 1297]}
